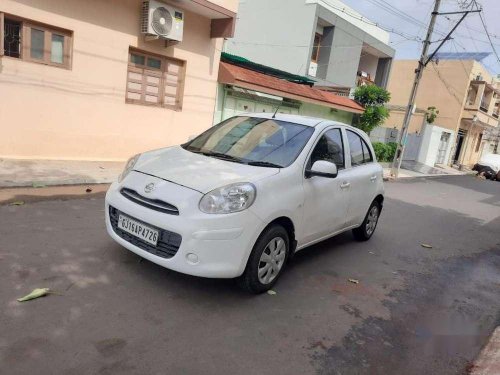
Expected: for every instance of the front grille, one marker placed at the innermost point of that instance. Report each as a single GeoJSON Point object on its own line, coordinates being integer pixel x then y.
{"type": "Point", "coordinates": [168, 242]}
{"type": "Point", "coordinates": [154, 204]}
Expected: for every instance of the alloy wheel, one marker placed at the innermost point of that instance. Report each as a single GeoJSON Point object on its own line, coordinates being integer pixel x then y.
{"type": "Point", "coordinates": [272, 260]}
{"type": "Point", "coordinates": [372, 220]}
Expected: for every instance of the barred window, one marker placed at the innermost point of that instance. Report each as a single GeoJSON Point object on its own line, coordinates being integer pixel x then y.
{"type": "Point", "coordinates": [35, 42]}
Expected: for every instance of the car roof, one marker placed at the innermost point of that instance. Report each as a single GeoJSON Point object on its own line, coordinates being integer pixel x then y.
{"type": "Point", "coordinates": [302, 120]}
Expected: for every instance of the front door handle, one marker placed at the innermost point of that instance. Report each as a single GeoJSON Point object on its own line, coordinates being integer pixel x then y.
{"type": "Point", "coordinates": [345, 185]}
{"type": "Point", "coordinates": [373, 178]}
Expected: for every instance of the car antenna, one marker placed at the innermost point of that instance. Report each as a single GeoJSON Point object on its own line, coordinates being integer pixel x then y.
{"type": "Point", "coordinates": [277, 108]}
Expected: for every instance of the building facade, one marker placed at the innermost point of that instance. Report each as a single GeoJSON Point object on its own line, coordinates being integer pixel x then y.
{"type": "Point", "coordinates": [78, 79]}
{"type": "Point", "coordinates": [467, 97]}
{"type": "Point", "coordinates": [322, 39]}
{"type": "Point", "coordinates": [246, 87]}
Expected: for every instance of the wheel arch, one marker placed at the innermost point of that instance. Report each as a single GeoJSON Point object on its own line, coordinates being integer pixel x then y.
{"type": "Point", "coordinates": [380, 200]}
{"type": "Point", "coordinates": [289, 226]}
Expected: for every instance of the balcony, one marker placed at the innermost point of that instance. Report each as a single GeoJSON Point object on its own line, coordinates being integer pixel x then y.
{"type": "Point", "coordinates": [373, 67]}
{"type": "Point", "coordinates": [362, 80]}
{"type": "Point", "coordinates": [483, 100]}
{"type": "Point", "coordinates": [496, 110]}
{"type": "Point", "coordinates": [484, 106]}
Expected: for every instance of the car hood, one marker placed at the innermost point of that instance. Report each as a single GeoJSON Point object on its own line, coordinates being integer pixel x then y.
{"type": "Point", "coordinates": [196, 171]}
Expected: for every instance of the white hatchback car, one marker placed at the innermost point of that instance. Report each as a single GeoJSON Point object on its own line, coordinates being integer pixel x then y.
{"type": "Point", "coordinates": [242, 197]}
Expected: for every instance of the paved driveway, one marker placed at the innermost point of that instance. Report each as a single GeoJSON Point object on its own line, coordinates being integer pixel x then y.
{"type": "Point", "coordinates": [415, 310]}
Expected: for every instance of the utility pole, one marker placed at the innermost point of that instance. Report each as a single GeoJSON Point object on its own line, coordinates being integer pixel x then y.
{"type": "Point", "coordinates": [422, 63]}
{"type": "Point", "coordinates": [398, 157]}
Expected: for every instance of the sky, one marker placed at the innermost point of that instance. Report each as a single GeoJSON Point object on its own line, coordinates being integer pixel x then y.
{"type": "Point", "coordinates": [469, 37]}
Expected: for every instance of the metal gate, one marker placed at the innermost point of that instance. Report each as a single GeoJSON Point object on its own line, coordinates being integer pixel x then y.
{"type": "Point", "coordinates": [443, 146]}
{"type": "Point", "coordinates": [412, 147]}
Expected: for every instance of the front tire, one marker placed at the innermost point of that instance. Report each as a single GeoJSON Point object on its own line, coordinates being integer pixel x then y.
{"type": "Point", "coordinates": [367, 228]}
{"type": "Point", "coordinates": [267, 260]}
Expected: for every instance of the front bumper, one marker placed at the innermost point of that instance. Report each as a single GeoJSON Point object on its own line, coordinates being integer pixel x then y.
{"type": "Point", "coordinates": [216, 246]}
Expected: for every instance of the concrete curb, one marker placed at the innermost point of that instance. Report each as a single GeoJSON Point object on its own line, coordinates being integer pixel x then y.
{"type": "Point", "coordinates": [24, 195]}
{"type": "Point", "coordinates": [488, 361]}
{"type": "Point", "coordinates": [391, 179]}
{"type": "Point", "coordinates": [47, 183]}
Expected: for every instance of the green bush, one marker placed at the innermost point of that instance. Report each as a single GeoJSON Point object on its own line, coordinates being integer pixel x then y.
{"type": "Point", "coordinates": [373, 98]}
{"type": "Point", "coordinates": [385, 151]}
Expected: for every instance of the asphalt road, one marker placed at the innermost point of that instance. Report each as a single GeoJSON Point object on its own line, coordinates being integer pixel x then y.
{"type": "Point", "coordinates": [415, 311]}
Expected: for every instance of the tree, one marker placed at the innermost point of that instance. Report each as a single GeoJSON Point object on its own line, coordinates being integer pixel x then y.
{"type": "Point", "coordinates": [373, 99]}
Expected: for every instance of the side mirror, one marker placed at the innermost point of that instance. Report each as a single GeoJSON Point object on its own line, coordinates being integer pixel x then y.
{"type": "Point", "coordinates": [322, 168]}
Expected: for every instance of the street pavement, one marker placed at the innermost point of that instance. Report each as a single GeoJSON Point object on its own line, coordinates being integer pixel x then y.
{"type": "Point", "coordinates": [416, 310]}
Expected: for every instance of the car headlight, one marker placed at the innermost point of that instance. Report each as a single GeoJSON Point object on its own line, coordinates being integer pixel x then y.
{"type": "Point", "coordinates": [128, 167]}
{"type": "Point", "coordinates": [228, 199]}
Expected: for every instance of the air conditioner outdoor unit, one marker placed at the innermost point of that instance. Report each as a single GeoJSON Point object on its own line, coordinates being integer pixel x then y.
{"type": "Point", "coordinates": [161, 20]}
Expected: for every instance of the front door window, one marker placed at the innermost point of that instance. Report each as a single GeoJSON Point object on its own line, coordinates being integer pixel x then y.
{"type": "Point", "coordinates": [330, 148]}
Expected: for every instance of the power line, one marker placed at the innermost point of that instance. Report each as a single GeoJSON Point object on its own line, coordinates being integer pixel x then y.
{"type": "Point", "coordinates": [398, 157]}
{"type": "Point", "coordinates": [385, 5]}
{"type": "Point", "coordinates": [397, 12]}
{"type": "Point", "coordinates": [367, 21]}
{"type": "Point", "coordinates": [486, 30]}
{"type": "Point", "coordinates": [446, 84]}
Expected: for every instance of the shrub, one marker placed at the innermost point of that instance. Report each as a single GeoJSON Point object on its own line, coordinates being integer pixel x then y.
{"type": "Point", "coordinates": [432, 113]}
{"type": "Point", "coordinates": [385, 151]}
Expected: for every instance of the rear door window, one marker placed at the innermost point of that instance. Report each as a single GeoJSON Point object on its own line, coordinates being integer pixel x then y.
{"type": "Point", "coordinates": [360, 152]}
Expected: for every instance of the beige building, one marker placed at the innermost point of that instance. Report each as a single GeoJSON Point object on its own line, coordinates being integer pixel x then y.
{"type": "Point", "coordinates": [467, 97]}
{"type": "Point", "coordinates": [80, 79]}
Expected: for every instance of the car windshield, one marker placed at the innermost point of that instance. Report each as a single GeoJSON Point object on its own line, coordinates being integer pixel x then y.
{"type": "Point", "coordinates": [253, 141]}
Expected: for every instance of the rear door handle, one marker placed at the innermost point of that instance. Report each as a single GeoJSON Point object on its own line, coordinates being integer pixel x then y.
{"type": "Point", "coordinates": [373, 178]}
{"type": "Point", "coordinates": [345, 185]}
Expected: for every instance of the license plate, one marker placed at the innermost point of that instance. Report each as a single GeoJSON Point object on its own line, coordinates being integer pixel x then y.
{"type": "Point", "coordinates": [138, 229]}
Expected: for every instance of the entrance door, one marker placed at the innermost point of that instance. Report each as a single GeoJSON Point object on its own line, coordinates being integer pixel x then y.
{"type": "Point", "coordinates": [460, 142]}
{"type": "Point", "coordinates": [443, 146]}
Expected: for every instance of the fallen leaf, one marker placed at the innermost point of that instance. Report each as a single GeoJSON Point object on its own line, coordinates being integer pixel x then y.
{"type": "Point", "coordinates": [354, 281]}
{"type": "Point", "coordinates": [36, 293]}
{"type": "Point", "coordinates": [271, 292]}
{"type": "Point", "coordinates": [426, 245]}
{"type": "Point", "coordinates": [16, 203]}
{"type": "Point", "coordinates": [88, 190]}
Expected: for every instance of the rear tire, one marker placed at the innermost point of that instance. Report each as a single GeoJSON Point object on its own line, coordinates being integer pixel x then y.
{"type": "Point", "coordinates": [267, 260]}
{"type": "Point", "coordinates": [365, 231]}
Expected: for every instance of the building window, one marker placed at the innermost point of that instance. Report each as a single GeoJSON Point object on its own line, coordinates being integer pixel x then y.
{"type": "Point", "coordinates": [478, 144]}
{"type": "Point", "coordinates": [154, 80]}
{"type": "Point", "coordinates": [316, 47]}
{"type": "Point", "coordinates": [30, 41]}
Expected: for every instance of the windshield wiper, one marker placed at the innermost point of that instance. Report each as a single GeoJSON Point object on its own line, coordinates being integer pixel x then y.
{"type": "Point", "coordinates": [263, 164]}
{"type": "Point", "coordinates": [220, 155]}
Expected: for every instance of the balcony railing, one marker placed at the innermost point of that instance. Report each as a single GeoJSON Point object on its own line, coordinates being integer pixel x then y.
{"type": "Point", "coordinates": [484, 107]}
{"type": "Point", "coordinates": [362, 81]}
